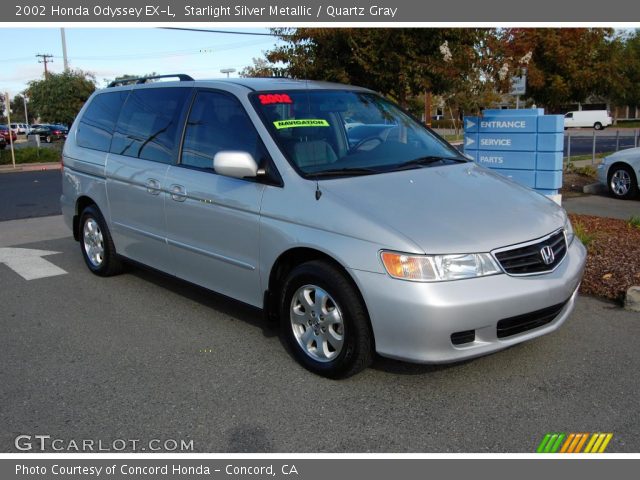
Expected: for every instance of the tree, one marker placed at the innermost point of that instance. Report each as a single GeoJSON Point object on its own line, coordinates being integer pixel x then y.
{"type": "Point", "coordinates": [260, 68]}
{"type": "Point", "coordinates": [128, 76]}
{"type": "Point", "coordinates": [628, 65]}
{"type": "Point", "coordinates": [59, 97]}
{"type": "Point", "coordinates": [399, 62]}
{"type": "Point", "coordinates": [17, 109]}
{"type": "Point", "coordinates": [564, 65]}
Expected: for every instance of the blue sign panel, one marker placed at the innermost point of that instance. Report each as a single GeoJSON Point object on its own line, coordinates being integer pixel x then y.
{"type": "Point", "coordinates": [508, 125]}
{"type": "Point", "coordinates": [507, 141]}
{"type": "Point", "coordinates": [551, 142]}
{"type": "Point", "coordinates": [550, 123]}
{"type": "Point", "coordinates": [524, 145]}
{"type": "Point", "coordinates": [549, 161]}
{"type": "Point", "coordinates": [497, 159]}
{"type": "Point", "coordinates": [549, 180]}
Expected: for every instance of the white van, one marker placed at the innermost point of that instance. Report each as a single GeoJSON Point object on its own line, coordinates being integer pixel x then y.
{"type": "Point", "coordinates": [597, 119]}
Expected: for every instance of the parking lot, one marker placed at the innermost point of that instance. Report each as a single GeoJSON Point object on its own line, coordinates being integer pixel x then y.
{"type": "Point", "coordinates": [146, 356]}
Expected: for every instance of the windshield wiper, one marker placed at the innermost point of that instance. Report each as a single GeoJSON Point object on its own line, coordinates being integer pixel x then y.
{"type": "Point", "coordinates": [423, 161]}
{"type": "Point", "coordinates": [342, 172]}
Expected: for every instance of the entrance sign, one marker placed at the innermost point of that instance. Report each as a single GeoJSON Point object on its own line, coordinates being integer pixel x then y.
{"type": "Point", "coordinates": [524, 145]}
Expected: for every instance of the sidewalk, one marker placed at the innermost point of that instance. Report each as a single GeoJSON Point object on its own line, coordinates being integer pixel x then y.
{"type": "Point", "coordinates": [30, 167]}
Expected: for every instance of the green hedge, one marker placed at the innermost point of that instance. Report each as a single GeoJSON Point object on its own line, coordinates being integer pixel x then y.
{"type": "Point", "coordinates": [31, 155]}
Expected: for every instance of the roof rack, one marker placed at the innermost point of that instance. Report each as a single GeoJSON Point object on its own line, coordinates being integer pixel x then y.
{"type": "Point", "coordinates": [181, 76]}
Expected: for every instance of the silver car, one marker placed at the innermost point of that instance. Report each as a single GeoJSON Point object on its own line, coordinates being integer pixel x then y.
{"type": "Point", "coordinates": [327, 206]}
{"type": "Point", "coordinates": [620, 172]}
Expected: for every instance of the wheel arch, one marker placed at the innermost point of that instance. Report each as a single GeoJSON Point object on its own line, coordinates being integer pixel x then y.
{"type": "Point", "coordinates": [81, 203]}
{"type": "Point", "coordinates": [290, 259]}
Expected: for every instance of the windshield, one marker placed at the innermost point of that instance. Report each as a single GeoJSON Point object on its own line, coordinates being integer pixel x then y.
{"type": "Point", "coordinates": [333, 132]}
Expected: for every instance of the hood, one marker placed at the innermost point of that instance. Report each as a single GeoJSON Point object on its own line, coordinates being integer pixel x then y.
{"type": "Point", "coordinates": [460, 208]}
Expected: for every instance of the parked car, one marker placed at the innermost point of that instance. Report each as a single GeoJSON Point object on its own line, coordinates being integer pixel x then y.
{"type": "Point", "coordinates": [20, 128]}
{"type": "Point", "coordinates": [8, 134]}
{"type": "Point", "coordinates": [50, 133]}
{"type": "Point", "coordinates": [395, 244]}
{"type": "Point", "coordinates": [597, 119]}
{"type": "Point", "coordinates": [620, 172]}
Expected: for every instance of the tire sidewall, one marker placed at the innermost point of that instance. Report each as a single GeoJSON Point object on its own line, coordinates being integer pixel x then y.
{"type": "Point", "coordinates": [597, 126]}
{"type": "Point", "coordinates": [92, 212]}
{"type": "Point", "coordinates": [308, 275]}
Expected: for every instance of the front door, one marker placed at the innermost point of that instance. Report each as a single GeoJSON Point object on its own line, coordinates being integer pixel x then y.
{"type": "Point", "coordinates": [213, 220]}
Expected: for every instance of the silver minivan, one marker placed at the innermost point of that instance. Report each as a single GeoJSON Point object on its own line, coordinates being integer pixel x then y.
{"type": "Point", "coordinates": [326, 205]}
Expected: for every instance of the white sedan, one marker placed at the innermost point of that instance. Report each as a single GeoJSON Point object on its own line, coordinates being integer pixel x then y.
{"type": "Point", "coordinates": [620, 172]}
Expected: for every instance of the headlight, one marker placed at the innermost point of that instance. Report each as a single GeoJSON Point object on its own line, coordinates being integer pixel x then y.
{"type": "Point", "coordinates": [438, 268]}
{"type": "Point", "coordinates": [568, 231]}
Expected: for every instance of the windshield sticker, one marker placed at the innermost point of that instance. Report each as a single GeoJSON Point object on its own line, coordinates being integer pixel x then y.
{"type": "Point", "coordinates": [273, 98]}
{"type": "Point", "coordinates": [303, 122]}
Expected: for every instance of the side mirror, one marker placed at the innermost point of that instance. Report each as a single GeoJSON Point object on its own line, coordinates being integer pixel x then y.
{"type": "Point", "coordinates": [236, 164]}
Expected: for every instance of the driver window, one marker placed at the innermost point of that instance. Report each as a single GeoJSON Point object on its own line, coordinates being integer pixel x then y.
{"type": "Point", "coordinates": [217, 122]}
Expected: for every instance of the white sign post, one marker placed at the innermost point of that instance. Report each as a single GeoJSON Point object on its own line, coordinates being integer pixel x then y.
{"type": "Point", "coordinates": [8, 107]}
{"type": "Point", "coordinates": [519, 86]}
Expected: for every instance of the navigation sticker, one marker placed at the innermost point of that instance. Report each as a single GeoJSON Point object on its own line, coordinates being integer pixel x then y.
{"type": "Point", "coordinates": [303, 122]}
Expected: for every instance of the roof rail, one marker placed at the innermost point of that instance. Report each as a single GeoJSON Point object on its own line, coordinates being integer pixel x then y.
{"type": "Point", "coordinates": [181, 76]}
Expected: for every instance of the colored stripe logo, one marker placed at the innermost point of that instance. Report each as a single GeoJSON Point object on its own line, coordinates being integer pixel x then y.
{"type": "Point", "coordinates": [574, 443]}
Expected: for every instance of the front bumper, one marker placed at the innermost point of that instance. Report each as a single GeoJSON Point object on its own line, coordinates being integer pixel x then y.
{"type": "Point", "coordinates": [601, 172]}
{"type": "Point", "coordinates": [414, 321]}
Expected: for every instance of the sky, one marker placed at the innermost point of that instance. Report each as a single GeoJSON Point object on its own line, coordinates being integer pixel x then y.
{"type": "Point", "coordinates": [111, 52]}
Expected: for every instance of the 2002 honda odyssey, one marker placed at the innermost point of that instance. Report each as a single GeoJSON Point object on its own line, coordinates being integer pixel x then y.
{"type": "Point", "coordinates": [326, 205]}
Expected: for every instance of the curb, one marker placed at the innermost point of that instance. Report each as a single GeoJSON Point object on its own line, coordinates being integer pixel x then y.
{"type": "Point", "coordinates": [594, 188]}
{"type": "Point", "coordinates": [30, 167]}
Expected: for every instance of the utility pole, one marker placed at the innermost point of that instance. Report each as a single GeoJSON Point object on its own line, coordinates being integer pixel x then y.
{"type": "Point", "coordinates": [64, 50]}
{"type": "Point", "coordinates": [26, 114]}
{"type": "Point", "coordinates": [45, 59]}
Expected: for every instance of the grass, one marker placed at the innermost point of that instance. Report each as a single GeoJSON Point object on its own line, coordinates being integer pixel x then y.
{"type": "Point", "coordinates": [581, 233]}
{"type": "Point", "coordinates": [577, 158]}
{"type": "Point", "coordinates": [627, 124]}
{"type": "Point", "coordinates": [31, 155]}
{"type": "Point", "coordinates": [635, 221]}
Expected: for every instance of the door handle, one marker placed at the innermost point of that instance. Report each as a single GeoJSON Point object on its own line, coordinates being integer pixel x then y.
{"type": "Point", "coordinates": [178, 193]}
{"type": "Point", "coordinates": [153, 186]}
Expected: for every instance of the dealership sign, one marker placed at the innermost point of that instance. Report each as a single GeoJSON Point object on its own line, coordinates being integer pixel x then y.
{"type": "Point", "coordinates": [524, 145]}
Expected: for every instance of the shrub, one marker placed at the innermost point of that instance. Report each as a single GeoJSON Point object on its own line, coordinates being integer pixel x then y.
{"type": "Point", "coordinates": [31, 155]}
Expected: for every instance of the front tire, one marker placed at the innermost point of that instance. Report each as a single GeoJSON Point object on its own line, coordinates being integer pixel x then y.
{"type": "Point", "coordinates": [96, 244]}
{"type": "Point", "coordinates": [622, 182]}
{"type": "Point", "coordinates": [324, 321]}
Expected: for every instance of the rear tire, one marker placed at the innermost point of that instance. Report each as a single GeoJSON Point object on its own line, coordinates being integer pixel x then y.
{"type": "Point", "coordinates": [96, 243]}
{"type": "Point", "coordinates": [597, 126]}
{"type": "Point", "coordinates": [622, 182]}
{"type": "Point", "coordinates": [324, 321]}
{"type": "Point", "coordinates": [47, 139]}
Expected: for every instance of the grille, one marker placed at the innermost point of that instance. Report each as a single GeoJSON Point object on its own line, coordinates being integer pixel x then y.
{"type": "Point", "coordinates": [528, 321]}
{"type": "Point", "coordinates": [528, 259]}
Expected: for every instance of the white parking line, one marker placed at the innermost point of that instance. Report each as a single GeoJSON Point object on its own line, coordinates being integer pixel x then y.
{"type": "Point", "coordinates": [29, 264]}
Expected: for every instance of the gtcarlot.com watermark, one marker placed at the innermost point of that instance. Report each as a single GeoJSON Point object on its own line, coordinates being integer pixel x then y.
{"type": "Point", "coordinates": [47, 443]}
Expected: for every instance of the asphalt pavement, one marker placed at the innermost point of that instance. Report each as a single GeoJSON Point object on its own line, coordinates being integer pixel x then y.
{"type": "Point", "coordinates": [142, 356]}
{"type": "Point", "coordinates": [30, 194]}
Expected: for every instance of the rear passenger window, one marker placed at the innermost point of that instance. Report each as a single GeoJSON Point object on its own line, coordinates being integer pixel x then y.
{"type": "Point", "coordinates": [95, 129]}
{"type": "Point", "coordinates": [148, 125]}
{"type": "Point", "coordinates": [218, 122]}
